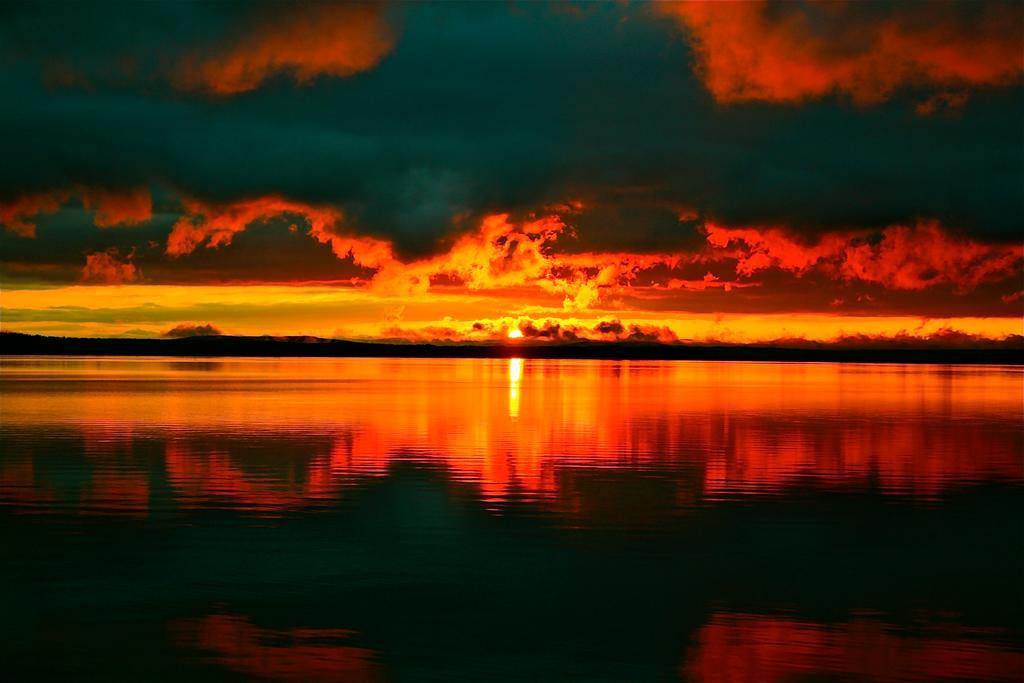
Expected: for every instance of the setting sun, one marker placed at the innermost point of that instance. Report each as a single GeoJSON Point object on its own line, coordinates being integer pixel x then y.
{"type": "Point", "coordinates": [515, 334]}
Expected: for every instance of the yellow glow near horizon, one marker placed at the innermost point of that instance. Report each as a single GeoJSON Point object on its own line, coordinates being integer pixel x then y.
{"type": "Point", "coordinates": [331, 311]}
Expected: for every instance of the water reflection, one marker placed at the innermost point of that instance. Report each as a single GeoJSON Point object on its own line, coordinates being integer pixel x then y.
{"type": "Point", "coordinates": [317, 519]}
{"type": "Point", "coordinates": [515, 376]}
{"type": "Point", "coordinates": [280, 433]}
{"type": "Point", "coordinates": [741, 647]}
{"type": "Point", "coordinates": [292, 654]}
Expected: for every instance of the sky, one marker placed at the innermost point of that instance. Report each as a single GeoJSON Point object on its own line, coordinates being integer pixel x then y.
{"type": "Point", "coordinates": [713, 172]}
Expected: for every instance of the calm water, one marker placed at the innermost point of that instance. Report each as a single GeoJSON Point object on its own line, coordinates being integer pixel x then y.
{"type": "Point", "coordinates": [491, 520]}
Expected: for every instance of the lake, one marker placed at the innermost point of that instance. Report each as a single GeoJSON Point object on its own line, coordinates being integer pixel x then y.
{"type": "Point", "coordinates": [504, 520]}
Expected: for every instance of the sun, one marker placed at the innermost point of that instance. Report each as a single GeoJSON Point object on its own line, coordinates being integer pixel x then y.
{"type": "Point", "coordinates": [515, 334]}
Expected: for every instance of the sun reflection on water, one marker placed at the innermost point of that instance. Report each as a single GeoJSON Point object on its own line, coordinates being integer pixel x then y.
{"type": "Point", "coordinates": [515, 378]}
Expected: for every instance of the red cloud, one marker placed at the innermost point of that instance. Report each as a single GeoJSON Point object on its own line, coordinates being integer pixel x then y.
{"type": "Point", "coordinates": [507, 255]}
{"type": "Point", "coordinates": [316, 39]}
{"type": "Point", "coordinates": [16, 215]}
{"type": "Point", "coordinates": [500, 254]}
{"type": "Point", "coordinates": [709, 281]}
{"type": "Point", "coordinates": [789, 52]}
{"type": "Point", "coordinates": [903, 257]}
{"type": "Point", "coordinates": [112, 207]}
{"type": "Point", "coordinates": [106, 267]}
{"type": "Point", "coordinates": [504, 254]}
{"type": "Point", "coordinates": [216, 225]}
{"type": "Point", "coordinates": [118, 207]}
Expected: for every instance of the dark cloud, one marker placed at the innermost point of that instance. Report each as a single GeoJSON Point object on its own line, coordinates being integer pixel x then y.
{"type": "Point", "coordinates": [274, 250]}
{"type": "Point", "coordinates": [192, 330]}
{"type": "Point", "coordinates": [945, 338]}
{"type": "Point", "coordinates": [476, 109]}
{"type": "Point", "coordinates": [537, 331]}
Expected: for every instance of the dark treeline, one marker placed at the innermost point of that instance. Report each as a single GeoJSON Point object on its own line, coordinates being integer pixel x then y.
{"type": "Point", "coordinates": [12, 343]}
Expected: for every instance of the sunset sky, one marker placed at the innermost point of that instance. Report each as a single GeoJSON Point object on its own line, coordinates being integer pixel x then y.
{"type": "Point", "coordinates": [732, 172]}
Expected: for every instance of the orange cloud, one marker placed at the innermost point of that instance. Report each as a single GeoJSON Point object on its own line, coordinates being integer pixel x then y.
{"type": "Point", "coordinates": [106, 267]}
{"type": "Point", "coordinates": [511, 257]}
{"type": "Point", "coordinates": [499, 254]}
{"type": "Point", "coordinates": [112, 207]}
{"type": "Point", "coordinates": [118, 207]}
{"type": "Point", "coordinates": [503, 254]}
{"type": "Point", "coordinates": [215, 225]}
{"type": "Point", "coordinates": [317, 39]}
{"type": "Point", "coordinates": [16, 215]}
{"type": "Point", "coordinates": [902, 257]}
{"type": "Point", "coordinates": [709, 281]}
{"type": "Point", "coordinates": [791, 52]}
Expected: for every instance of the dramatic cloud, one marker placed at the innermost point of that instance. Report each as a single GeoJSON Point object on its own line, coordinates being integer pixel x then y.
{"type": "Point", "coordinates": [193, 330]}
{"type": "Point", "coordinates": [216, 225]}
{"type": "Point", "coordinates": [898, 257]}
{"type": "Point", "coordinates": [17, 214]}
{"type": "Point", "coordinates": [114, 207]}
{"type": "Point", "coordinates": [635, 136]}
{"type": "Point", "coordinates": [330, 39]}
{"type": "Point", "coordinates": [789, 52]}
{"type": "Point", "coordinates": [500, 254]}
{"type": "Point", "coordinates": [503, 254]}
{"type": "Point", "coordinates": [217, 49]}
{"type": "Point", "coordinates": [452, 173]}
{"type": "Point", "coordinates": [108, 268]}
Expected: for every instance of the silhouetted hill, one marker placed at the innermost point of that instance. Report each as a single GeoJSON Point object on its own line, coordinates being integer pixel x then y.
{"type": "Point", "coordinates": [12, 343]}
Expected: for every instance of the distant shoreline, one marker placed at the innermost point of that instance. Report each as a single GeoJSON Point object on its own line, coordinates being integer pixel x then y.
{"type": "Point", "coordinates": [17, 344]}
